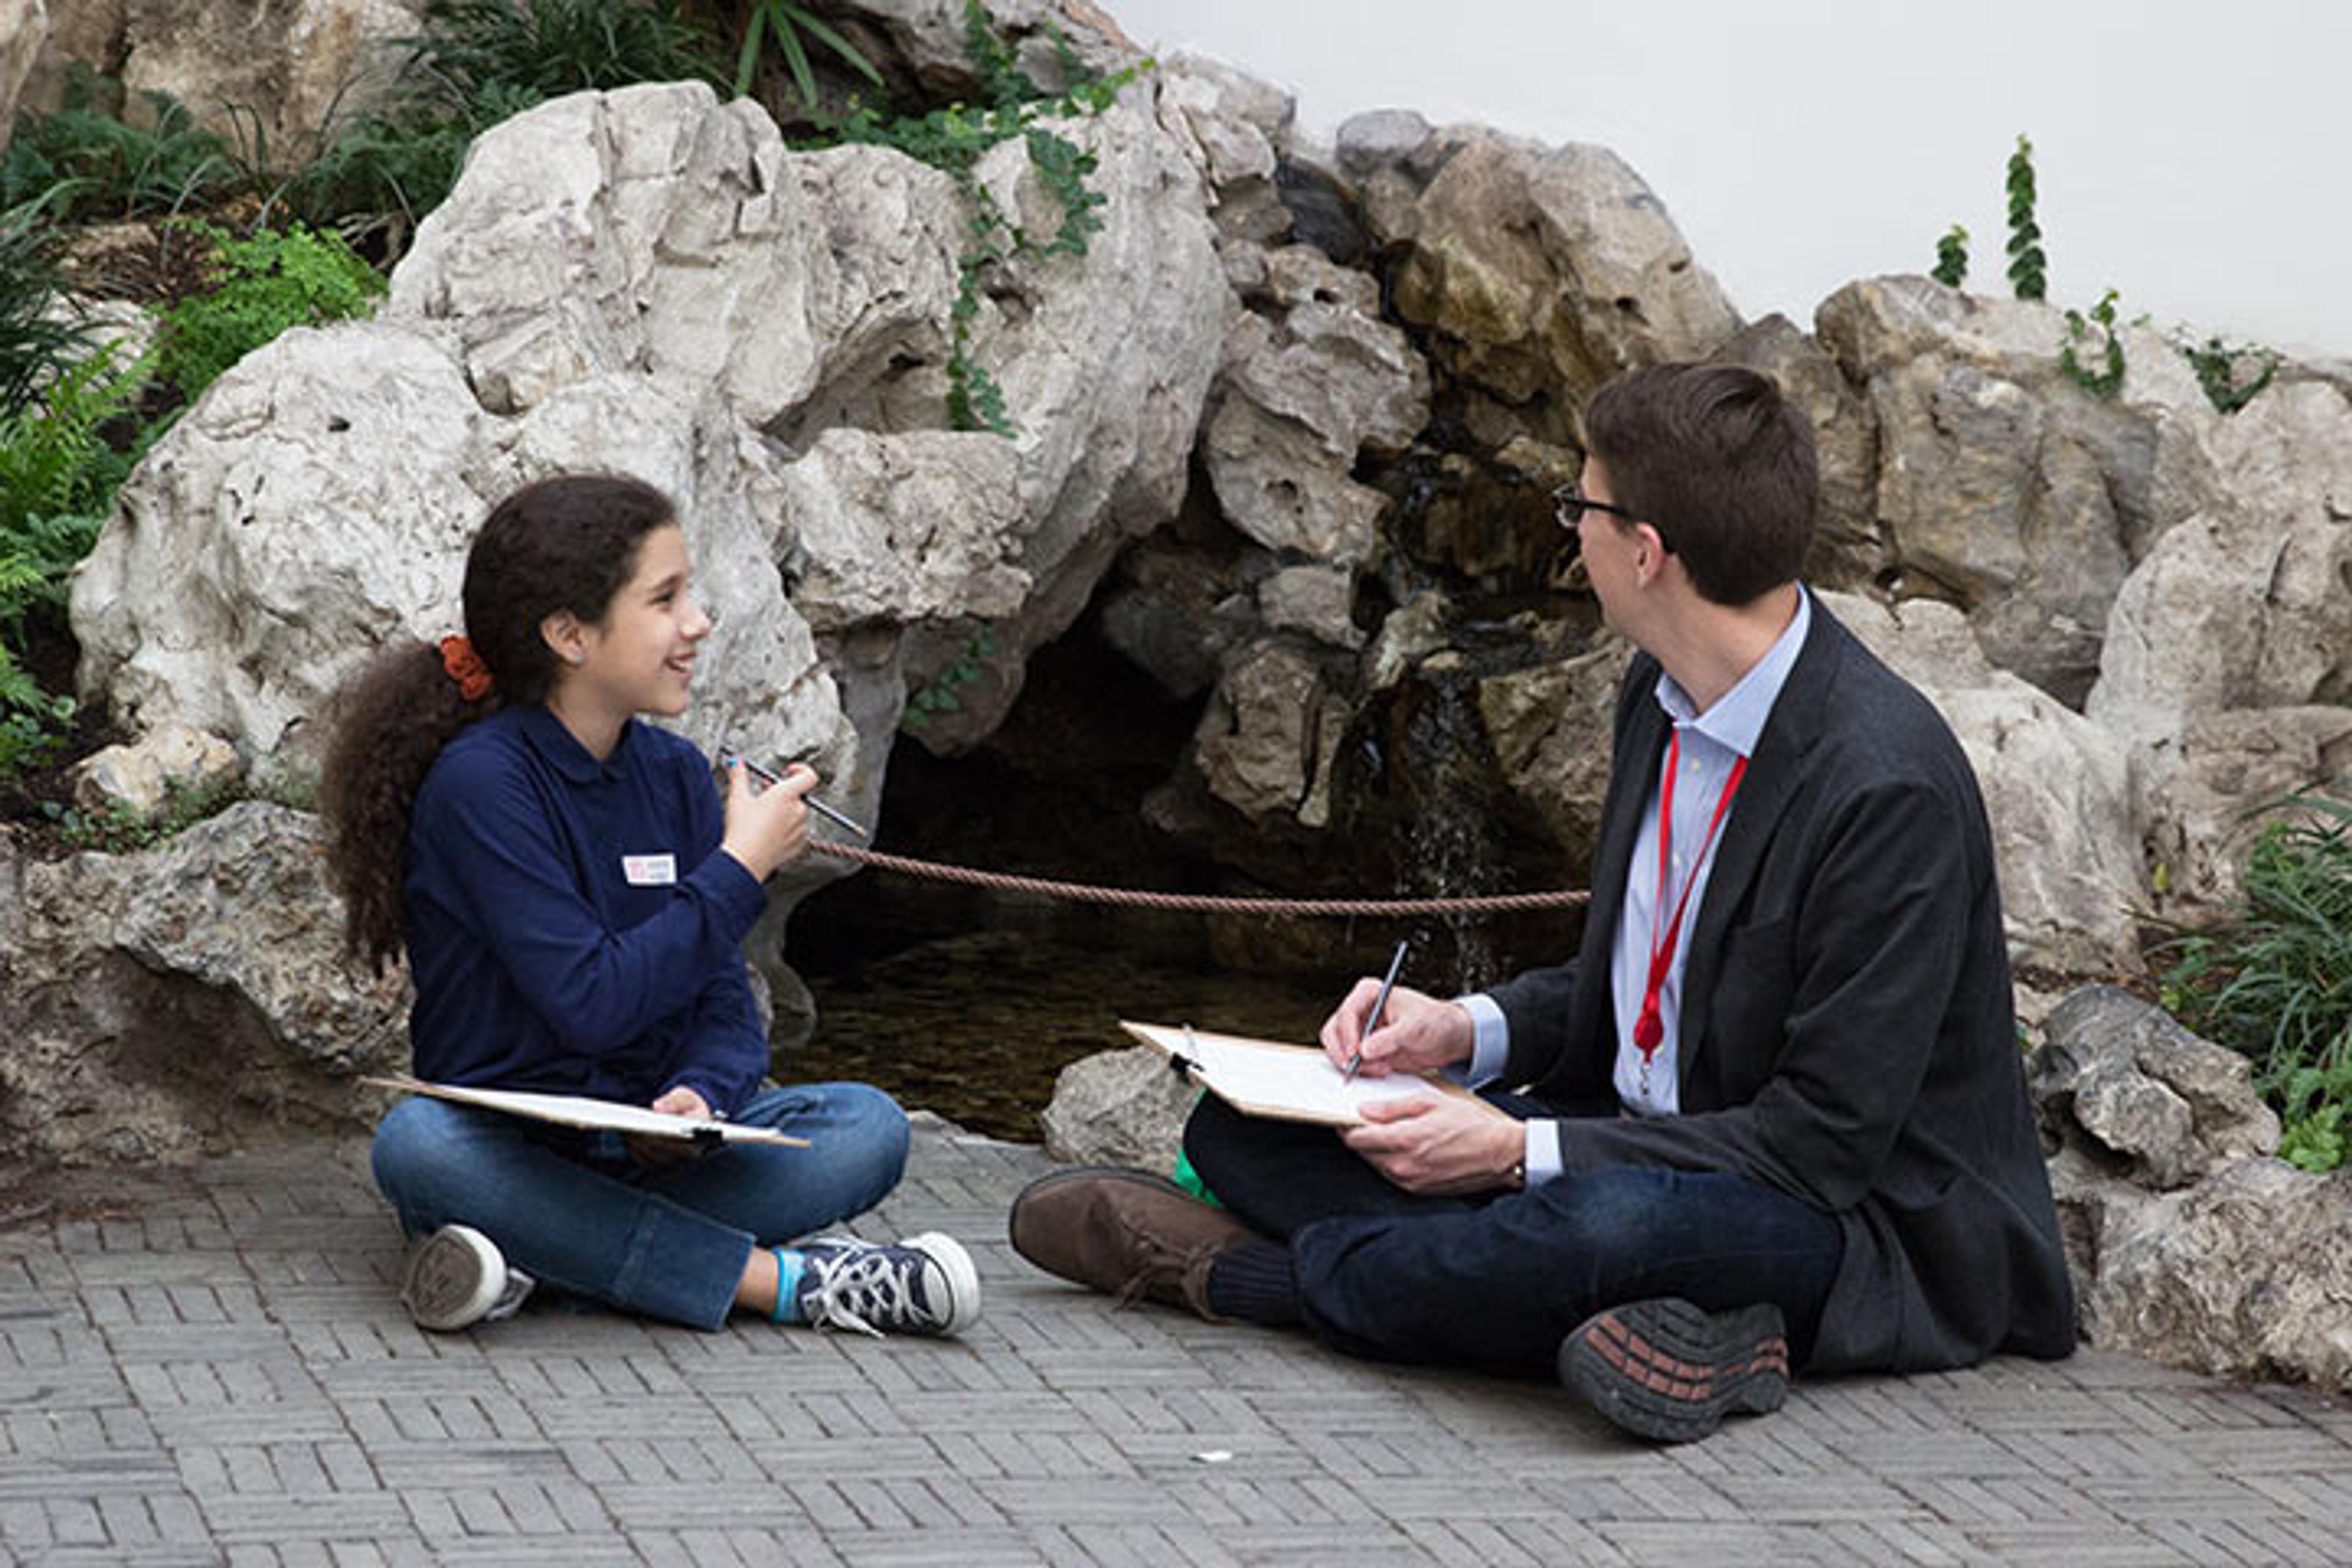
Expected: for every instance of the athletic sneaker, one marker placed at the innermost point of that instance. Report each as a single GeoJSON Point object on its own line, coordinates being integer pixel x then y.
{"type": "Point", "coordinates": [924, 1285]}
{"type": "Point", "coordinates": [457, 1278]}
{"type": "Point", "coordinates": [1666, 1371]}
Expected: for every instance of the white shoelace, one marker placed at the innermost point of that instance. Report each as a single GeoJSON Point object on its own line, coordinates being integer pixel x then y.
{"type": "Point", "coordinates": [863, 1282]}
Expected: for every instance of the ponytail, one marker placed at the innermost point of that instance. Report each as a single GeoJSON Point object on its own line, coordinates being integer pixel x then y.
{"type": "Point", "coordinates": [391, 720]}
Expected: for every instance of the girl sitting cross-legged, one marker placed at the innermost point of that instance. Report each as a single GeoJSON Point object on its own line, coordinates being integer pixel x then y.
{"type": "Point", "coordinates": [573, 894]}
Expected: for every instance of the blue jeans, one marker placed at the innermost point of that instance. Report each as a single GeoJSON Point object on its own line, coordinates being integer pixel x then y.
{"type": "Point", "coordinates": [1497, 1281]}
{"type": "Point", "coordinates": [572, 1209]}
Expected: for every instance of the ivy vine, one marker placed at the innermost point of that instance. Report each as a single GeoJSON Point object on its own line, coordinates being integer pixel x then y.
{"type": "Point", "coordinates": [1951, 268]}
{"type": "Point", "coordinates": [953, 139]}
{"type": "Point", "coordinates": [2106, 378]}
{"type": "Point", "coordinates": [2026, 261]}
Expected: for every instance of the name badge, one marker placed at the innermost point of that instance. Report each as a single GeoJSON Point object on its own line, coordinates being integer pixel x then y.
{"type": "Point", "coordinates": [649, 870]}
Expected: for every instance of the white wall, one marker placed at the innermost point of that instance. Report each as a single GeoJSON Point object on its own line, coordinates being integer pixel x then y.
{"type": "Point", "coordinates": [2195, 154]}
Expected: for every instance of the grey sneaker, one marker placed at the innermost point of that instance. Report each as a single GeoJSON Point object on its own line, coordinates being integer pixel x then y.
{"type": "Point", "coordinates": [457, 1278]}
{"type": "Point", "coordinates": [924, 1285]}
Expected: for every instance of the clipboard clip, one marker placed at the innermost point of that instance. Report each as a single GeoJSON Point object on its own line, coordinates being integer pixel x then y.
{"type": "Point", "coordinates": [1182, 1065]}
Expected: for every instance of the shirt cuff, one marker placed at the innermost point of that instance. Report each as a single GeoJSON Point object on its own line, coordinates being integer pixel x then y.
{"type": "Point", "coordinates": [1492, 1047]}
{"type": "Point", "coordinates": [1543, 1159]}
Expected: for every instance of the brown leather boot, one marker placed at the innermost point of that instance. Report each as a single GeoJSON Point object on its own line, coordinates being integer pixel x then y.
{"type": "Point", "coordinates": [1128, 1233]}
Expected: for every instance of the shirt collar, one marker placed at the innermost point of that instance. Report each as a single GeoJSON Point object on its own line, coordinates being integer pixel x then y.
{"type": "Point", "coordinates": [1738, 721]}
{"type": "Point", "coordinates": [563, 749]}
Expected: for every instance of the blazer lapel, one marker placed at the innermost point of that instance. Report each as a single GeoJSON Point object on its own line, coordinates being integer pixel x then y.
{"type": "Point", "coordinates": [1773, 775]}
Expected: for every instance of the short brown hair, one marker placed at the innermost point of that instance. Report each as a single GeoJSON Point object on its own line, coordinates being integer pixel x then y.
{"type": "Point", "coordinates": [1719, 463]}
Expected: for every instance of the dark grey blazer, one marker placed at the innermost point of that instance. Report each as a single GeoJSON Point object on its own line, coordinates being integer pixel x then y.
{"type": "Point", "coordinates": [1846, 1026]}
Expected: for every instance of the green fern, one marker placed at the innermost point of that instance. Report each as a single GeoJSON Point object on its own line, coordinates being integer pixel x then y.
{"type": "Point", "coordinates": [271, 281]}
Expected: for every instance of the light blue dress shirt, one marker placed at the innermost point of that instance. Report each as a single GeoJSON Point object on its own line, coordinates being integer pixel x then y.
{"type": "Point", "coordinates": [1710, 743]}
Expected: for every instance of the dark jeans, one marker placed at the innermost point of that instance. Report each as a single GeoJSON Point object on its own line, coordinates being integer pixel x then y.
{"type": "Point", "coordinates": [1497, 1281]}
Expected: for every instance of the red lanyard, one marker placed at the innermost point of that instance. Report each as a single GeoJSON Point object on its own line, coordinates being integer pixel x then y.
{"type": "Point", "coordinates": [1649, 1029]}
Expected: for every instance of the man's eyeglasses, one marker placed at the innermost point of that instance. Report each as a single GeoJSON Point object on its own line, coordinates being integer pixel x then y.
{"type": "Point", "coordinates": [1568, 505]}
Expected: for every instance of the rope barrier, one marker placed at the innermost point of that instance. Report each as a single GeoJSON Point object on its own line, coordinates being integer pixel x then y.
{"type": "Point", "coordinates": [1199, 903]}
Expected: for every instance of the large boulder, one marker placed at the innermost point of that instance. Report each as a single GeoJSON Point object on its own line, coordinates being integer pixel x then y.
{"type": "Point", "coordinates": [171, 1002]}
{"type": "Point", "coordinates": [2182, 640]}
{"type": "Point", "coordinates": [2120, 1076]}
{"type": "Point", "coordinates": [2002, 486]}
{"type": "Point", "coordinates": [2243, 1275]}
{"type": "Point", "coordinates": [1313, 382]}
{"type": "Point", "coordinates": [299, 517]}
{"type": "Point", "coordinates": [1533, 273]}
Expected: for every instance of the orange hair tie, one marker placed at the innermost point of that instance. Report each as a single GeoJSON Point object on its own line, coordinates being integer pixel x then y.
{"type": "Point", "coordinates": [465, 666]}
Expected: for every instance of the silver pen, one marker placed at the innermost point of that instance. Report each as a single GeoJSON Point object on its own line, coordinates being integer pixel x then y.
{"type": "Point", "coordinates": [1372, 1019]}
{"type": "Point", "coordinates": [837, 819]}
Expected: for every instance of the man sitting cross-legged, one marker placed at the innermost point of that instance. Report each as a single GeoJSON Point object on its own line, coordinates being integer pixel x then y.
{"type": "Point", "coordinates": [1773, 1113]}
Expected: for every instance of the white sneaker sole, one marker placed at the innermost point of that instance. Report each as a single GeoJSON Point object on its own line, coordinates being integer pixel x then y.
{"type": "Point", "coordinates": [454, 1279]}
{"type": "Point", "coordinates": [955, 1265]}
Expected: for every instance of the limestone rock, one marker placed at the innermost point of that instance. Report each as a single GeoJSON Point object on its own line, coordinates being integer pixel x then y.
{"type": "Point", "coordinates": [1118, 1108]}
{"type": "Point", "coordinates": [1258, 742]}
{"type": "Point", "coordinates": [927, 37]}
{"type": "Point", "coordinates": [2001, 486]}
{"type": "Point", "coordinates": [2139, 1087]}
{"type": "Point", "coordinates": [655, 228]}
{"type": "Point", "coordinates": [159, 1003]}
{"type": "Point", "coordinates": [894, 529]}
{"type": "Point", "coordinates": [23, 30]}
{"type": "Point", "coordinates": [1175, 610]}
{"type": "Point", "coordinates": [299, 517]}
{"type": "Point", "coordinates": [2056, 788]}
{"type": "Point", "coordinates": [2242, 1276]}
{"type": "Point", "coordinates": [1549, 724]}
{"type": "Point", "coordinates": [1535, 273]}
{"type": "Point", "coordinates": [2202, 809]}
{"type": "Point", "coordinates": [274, 72]}
{"type": "Point", "coordinates": [1314, 600]}
{"type": "Point", "coordinates": [139, 777]}
{"type": "Point", "coordinates": [1312, 380]}
{"type": "Point", "coordinates": [1104, 361]}
{"type": "Point", "coordinates": [2181, 640]}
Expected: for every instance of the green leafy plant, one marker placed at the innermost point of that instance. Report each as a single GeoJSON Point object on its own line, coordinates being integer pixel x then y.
{"type": "Point", "coordinates": [2219, 371]}
{"type": "Point", "coordinates": [1951, 268]}
{"type": "Point", "coordinates": [954, 140]}
{"type": "Point", "coordinates": [2026, 262]}
{"type": "Point", "coordinates": [89, 163]}
{"type": "Point", "coordinates": [57, 477]}
{"type": "Point", "coordinates": [785, 22]}
{"type": "Point", "coordinates": [2277, 984]}
{"type": "Point", "coordinates": [482, 49]}
{"type": "Point", "coordinates": [123, 829]}
{"type": "Point", "coordinates": [36, 342]}
{"type": "Point", "coordinates": [940, 695]}
{"type": "Point", "coordinates": [2097, 331]}
{"type": "Point", "coordinates": [472, 64]}
{"type": "Point", "coordinates": [271, 281]}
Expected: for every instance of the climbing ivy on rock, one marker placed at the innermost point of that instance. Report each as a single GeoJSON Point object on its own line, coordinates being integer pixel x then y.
{"type": "Point", "coordinates": [953, 139]}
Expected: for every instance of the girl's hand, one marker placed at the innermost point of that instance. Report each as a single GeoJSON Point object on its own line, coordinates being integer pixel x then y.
{"type": "Point", "coordinates": [654, 1152]}
{"type": "Point", "coordinates": [766, 827]}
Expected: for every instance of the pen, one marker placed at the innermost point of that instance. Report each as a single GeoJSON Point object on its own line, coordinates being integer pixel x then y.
{"type": "Point", "coordinates": [837, 819]}
{"type": "Point", "coordinates": [1372, 1019]}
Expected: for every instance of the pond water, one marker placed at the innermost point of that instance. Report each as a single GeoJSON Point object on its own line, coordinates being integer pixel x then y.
{"type": "Point", "coordinates": [976, 1026]}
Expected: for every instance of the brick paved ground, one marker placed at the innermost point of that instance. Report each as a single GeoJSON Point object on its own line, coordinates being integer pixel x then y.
{"type": "Point", "coordinates": [211, 1368]}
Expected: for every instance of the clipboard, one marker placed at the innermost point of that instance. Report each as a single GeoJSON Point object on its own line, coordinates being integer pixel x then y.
{"type": "Point", "coordinates": [1284, 1082]}
{"type": "Point", "coordinates": [595, 1115]}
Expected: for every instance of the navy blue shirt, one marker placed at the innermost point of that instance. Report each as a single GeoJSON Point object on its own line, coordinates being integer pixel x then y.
{"type": "Point", "coordinates": [572, 925]}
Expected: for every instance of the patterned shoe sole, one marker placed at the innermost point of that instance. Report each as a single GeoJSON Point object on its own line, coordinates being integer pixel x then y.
{"type": "Point", "coordinates": [1666, 1371]}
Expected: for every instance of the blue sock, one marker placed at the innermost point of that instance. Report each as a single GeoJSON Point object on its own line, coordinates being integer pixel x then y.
{"type": "Point", "coordinates": [787, 1309]}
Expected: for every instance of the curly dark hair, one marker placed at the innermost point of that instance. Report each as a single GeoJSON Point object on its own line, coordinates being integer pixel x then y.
{"type": "Point", "coordinates": [566, 544]}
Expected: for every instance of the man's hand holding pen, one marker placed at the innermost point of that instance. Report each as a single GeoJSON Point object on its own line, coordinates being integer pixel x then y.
{"type": "Point", "coordinates": [1419, 1034]}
